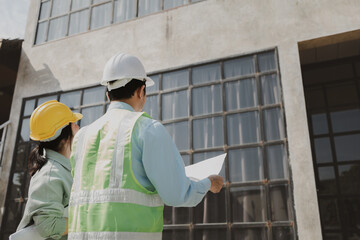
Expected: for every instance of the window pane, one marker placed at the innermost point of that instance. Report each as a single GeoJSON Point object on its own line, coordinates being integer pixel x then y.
{"type": "Point", "coordinates": [249, 234]}
{"type": "Point", "coordinates": [101, 16]}
{"type": "Point", "coordinates": [180, 134]}
{"type": "Point", "coordinates": [332, 236]}
{"type": "Point", "coordinates": [270, 89]}
{"type": "Point", "coordinates": [45, 10]}
{"type": "Point", "coordinates": [177, 215]}
{"type": "Point", "coordinates": [245, 165]}
{"type": "Point", "coordinates": [266, 61]}
{"type": "Point", "coordinates": [279, 206]}
{"type": "Point", "coordinates": [94, 95]}
{"type": "Point", "coordinates": [283, 233]}
{"type": "Point", "coordinates": [319, 123]}
{"type": "Point", "coordinates": [25, 130]}
{"type": "Point", "coordinates": [174, 3]}
{"type": "Point", "coordinates": [71, 99]}
{"type": "Point", "coordinates": [152, 106]}
{"type": "Point", "coordinates": [347, 147]}
{"type": "Point", "coordinates": [186, 159]}
{"type": "Point", "coordinates": [277, 163]}
{"type": "Point", "coordinates": [209, 234]}
{"type": "Point", "coordinates": [206, 73]}
{"type": "Point", "coordinates": [342, 95]}
{"type": "Point", "coordinates": [349, 178]}
{"type": "Point", "coordinates": [329, 210]}
{"type": "Point", "coordinates": [79, 22]}
{"type": "Point", "coordinates": [273, 122]}
{"type": "Point", "coordinates": [327, 183]}
{"type": "Point", "coordinates": [57, 28]}
{"type": "Point", "coordinates": [41, 33]}
{"type": "Point", "coordinates": [175, 105]}
{"type": "Point", "coordinates": [322, 150]}
{"type": "Point", "coordinates": [155, 87]}
{"type": "Point", "coordinates": [99, 1]}
{"type": "Point", "coordinates": [206, 100]}
{"type": "Point", "coordinates": [60, 7]}
{"type": "Point", "coordinates": [241, 94]}
{"type": "Point", "coordinates": [176, 79]}
{"type": "Point", "coordinates": [247, 204]}
{"type": "Point", "coordinates": [90, 115]}
{"type": "Point", "coordinates": [208, 133]}
{"type": "Point", "coordinates": [29, 107]}
{"type": "Point", "coordinates": [315, 98]}
{"type": "Point", "coordinates": [148, 6]}
{"type": "Point", "coordinates": [175, 234]}
{"type": "Point", "coordinates": [243, 128]}
{"type": "Point", "coordinates": [351, 215]}
{"type": "Point", "coordinates": [345, 121]}
{"type": "Point", "coordinates": [124, 10]}
{"type": "Point", "coordinates": [198, 157]}
{"type": "Point", "coordinates": [46, 99]}
{"type": "Point", "coordinates": [211, 209]}
{"type": "Point", "coordinates": [77, 4]}
{"type": "Point", "coordinates": [239, 67]}
{"type": "Point", "coordinates": [21, 158]}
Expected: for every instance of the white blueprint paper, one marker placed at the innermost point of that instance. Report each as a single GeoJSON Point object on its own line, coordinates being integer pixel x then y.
{"type": "Point", "coordinates": [203, 169]}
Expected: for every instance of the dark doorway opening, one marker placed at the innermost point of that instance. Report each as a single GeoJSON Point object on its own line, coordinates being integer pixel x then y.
{"type": "Point", "coordinates": [331, 78]}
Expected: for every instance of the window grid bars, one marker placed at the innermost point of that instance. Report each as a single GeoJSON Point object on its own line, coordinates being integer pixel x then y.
{"type": "Point", "coordinates": [90, 7]}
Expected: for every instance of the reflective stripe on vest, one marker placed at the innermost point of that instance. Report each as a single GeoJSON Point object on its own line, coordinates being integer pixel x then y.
{"type": "Point", "coordinates": [115, 235]}
{"type": "Point", "coordinates": [107, 202]}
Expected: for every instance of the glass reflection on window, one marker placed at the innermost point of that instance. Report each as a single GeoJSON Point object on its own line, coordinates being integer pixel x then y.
{"type": "Point", "coordinates": [327, 183]}
{"type": "Point", "coordinates": [154, 88]}
{"type": "Point", "coordinates": [174, 3]}
{"type": "Point", "coordinates": [46, 99]}
{"type": "Point", "coordinates": [94, 95]}
{"type": "Point", "coordinates": [180, 134]}
{"type": "Point", "coordinates": [208, 133]}
{"type": "Point", "coordinates": [266, 61]}
{"type": "Point", "coordinates": [347, 147]}
{"type": "Point", "coordinates": [57, 28]}
{"type": "Point", "coordinates": [274, 129]}
{"type": "Point", "coordinates": [211, 209]}
{"type": "Point", "coordinates": [279, 206]}
{"type": "Point", "coordinates": [78, 4]}
{"type": "Point", "coordinates": [247, 204]}
{"type": "Point", "coordinates": [319, 123]}
{"type": "Point", "coordinates": [175, 79]}
{"type": "Point", "coordinates": [249, 234]}
{"type": "Point", "coordinates": [41, 32]}
{"type": "Point", "coordinates": [71, 99]}
{"type": "Point", "coordinates": [91, 114]}
{"type": "Point", "coordinates": [44, 10]}
{"type": "Point", "coordinates": [239, 67]}
{"type": "Point", "coordinates": [60, 7]}
{"type": "Point", "coordinates": [283, 233]}
{"type": "Point", "coordinates": [79, 22]}
{"type": "Point", "coordinates": [25, 130]}
{"type": "Point", "coordinates": [205, 74]}
{"type": "Point", "coordinates": [349, 179]}
{"type": "Point", "coordinates": [148, 6]}
{"type": "Point", "coordinates": [241, 94]}
{"type": "Point", "coordinates": [276, 159]}
{"type": "Point", "coordinates": [245, 165]}
{"type": "Point", "coordinates": [270, 89]}
{"type": "Point", "coordinates": [124, 10]}
{"type": "Point", "coordinates": [345, 121]}
{"type": "Point", "coordinates": [101, 16]}
{"type": "Point", "coordinates": [175, 105]}
{"type": "Point", "coordinates": [243, 128]}
{"type": "Point", "coordinates": [206, 100]}
{"type": "Point", "coordinates": [152, 106]}
{"type": "Point", "coordinates": [29, 107]}
{"type": "Point", "coordinates": [322, 150]}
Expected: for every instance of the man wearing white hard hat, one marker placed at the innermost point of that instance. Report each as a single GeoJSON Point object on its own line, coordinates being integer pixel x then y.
{"type": "Point", "coordinates": [126, 166]}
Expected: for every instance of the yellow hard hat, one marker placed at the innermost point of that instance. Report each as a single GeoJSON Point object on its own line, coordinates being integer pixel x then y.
{"type": "Point", "coordinates": [48, 119]}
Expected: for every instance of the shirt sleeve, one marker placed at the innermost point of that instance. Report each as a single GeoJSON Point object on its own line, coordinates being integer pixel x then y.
{"type": "Point", "coordinates": [165, 169]}
{"type": "Point", "coordinates": [46, 206]}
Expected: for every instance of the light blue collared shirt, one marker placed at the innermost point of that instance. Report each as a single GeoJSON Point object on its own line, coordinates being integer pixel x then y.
{"type": "Point", "coordinates": [157, 164]}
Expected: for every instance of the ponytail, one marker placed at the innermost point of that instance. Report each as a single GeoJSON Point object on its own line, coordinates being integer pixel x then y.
{"type": "Point", "coordinates": [37, 158]}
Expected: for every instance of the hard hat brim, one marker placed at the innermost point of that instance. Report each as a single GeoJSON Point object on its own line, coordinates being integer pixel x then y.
{"type": "Point", "coordinates": [77, 116]}
{"type": "Point", "coordinates": [149, 82]}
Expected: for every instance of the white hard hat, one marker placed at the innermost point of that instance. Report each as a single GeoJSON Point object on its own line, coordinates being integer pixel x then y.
{"type": "Point", "coordinates": [121, 69]}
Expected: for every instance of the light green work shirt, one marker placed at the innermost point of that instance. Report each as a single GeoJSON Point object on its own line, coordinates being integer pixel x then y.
{"type": "Point", "coordinates": [49, 194]}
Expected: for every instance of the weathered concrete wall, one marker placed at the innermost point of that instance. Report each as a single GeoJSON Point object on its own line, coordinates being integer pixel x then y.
{"type": "Point", "coordinates": [189, 34]}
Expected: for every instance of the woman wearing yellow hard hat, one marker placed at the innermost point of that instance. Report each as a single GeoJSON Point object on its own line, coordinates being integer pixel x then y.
{"type": "Point", "coordinates": [53, 125]}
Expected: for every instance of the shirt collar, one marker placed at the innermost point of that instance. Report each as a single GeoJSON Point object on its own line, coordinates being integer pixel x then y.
{"type": "Point", "coordinates": [120, 105]}
{"type": "Point", "coordinates": [59, 158]}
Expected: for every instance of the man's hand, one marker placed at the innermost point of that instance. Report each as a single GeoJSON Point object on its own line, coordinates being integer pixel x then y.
{"type": "Point", "coordinates": [216, 183]}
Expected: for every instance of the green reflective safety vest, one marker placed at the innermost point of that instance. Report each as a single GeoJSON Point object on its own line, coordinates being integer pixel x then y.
{"type": "Point", "coordinates": [107, 202]}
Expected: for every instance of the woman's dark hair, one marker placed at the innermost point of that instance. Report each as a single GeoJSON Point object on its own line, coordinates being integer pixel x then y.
{"type": "Point", "coordinates": [126, 91]}
{"type": "Point", "coordinates": [36, 159]}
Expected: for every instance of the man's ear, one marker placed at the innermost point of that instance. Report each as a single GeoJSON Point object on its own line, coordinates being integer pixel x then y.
{"type": "Point", "coordinates": [141, 92]}
{"type": "Point", "coordinates": [107, 96]}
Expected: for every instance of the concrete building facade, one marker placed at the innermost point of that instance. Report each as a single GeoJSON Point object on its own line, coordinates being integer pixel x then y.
{"type": "Point", "coordinates": [206, 56]}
